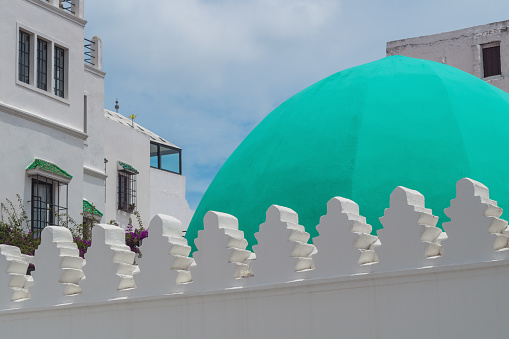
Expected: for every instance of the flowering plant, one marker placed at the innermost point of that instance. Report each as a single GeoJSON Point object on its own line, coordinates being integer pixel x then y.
{"type": "Point", "coordinates": [12, 230]}
{"type": "Point", "coordinates": [134, 237]}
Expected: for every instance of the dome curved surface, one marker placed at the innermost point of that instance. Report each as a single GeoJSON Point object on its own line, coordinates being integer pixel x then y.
{"type": "Point", "coordinates": [360, 133]}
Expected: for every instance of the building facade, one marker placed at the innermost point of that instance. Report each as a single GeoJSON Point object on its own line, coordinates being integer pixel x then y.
{"type": "Point", "coordinates": [62, 152]}
{"type": "Point", "coordinates": [480, 50]}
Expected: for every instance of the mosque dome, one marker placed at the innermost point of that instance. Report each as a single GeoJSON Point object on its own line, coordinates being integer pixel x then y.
{"type": "Point", "coordinates": [360, 133]}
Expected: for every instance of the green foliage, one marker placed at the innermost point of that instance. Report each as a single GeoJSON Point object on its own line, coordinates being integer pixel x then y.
{"type": "Point", "coordinates": [14, 229]}
{"type": "Point", "coordinates": [13, 226]}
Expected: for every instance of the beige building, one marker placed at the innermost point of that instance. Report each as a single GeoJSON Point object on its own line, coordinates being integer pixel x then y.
{"type": "Point", "coordinates": [480, 50]}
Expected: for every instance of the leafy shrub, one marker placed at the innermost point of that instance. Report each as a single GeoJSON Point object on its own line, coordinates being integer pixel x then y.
{"type": "Point", "coordinates": [13, 225]}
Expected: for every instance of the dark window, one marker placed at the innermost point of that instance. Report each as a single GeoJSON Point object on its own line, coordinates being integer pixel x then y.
{"type": "Point", "coordinates": [45, 204]}
{"type": "Point", "coordinates": [491, 61]}
{"type": "Point", "coordinates": [166, 158]}
{"type": "Point", "coordinates": [24, 57]}
{"type": "Point", "coordinates": [59, 71]}
{"type": "Point", "coordinates": [42, 64]}
{"type": "Point", "coordinates": [126, 191]}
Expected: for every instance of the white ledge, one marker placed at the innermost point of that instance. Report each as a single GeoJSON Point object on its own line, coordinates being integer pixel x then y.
{"type": "Point", "coordinates": [38, 172]}
{"type": "Point", "coordinates": [59, 12]}
{"type": "Point", "coordinates": [43, 121]}
{"type": "Point", "coordinates": [94, 70]}
{"type": "Point", "coordinates": [94, 173]}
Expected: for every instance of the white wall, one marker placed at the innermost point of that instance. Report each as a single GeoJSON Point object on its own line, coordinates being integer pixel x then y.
{"type": "Point", "coordinates": [94, 184]}
{"type": "Point", "coordinates": [123, 143]}
{"type": "Point", "coordinates": [167, 196]}
{"type": "Point", "coordinates": [461, 302]}
{"type": "Point", "coordinates": [410, 292]}
{"type": "Point", "coordinates": [54, 27]}
{"type": "Point", "coordinates": [22, 141]}
{"type": "Point", "coordinates": [461, 49]}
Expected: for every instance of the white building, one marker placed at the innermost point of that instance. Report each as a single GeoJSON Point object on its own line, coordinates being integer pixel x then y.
{"type": "Point", "coordinates": [480, 50]}
{"type": "Point", "coordinates": [60, 150]}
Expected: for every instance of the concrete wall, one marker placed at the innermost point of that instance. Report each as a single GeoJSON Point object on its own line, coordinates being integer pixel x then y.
{"type": "Point", "coordinates": [461, 49]}
{"type": "Point", "coordinates": [167, 196]}
{"type": "Point", "coordinates": [416, 282]}
{"type": "Point", "coordinates": [49, 22]}
{"type": "Point", "coordinates": [122, 143]}
{"type": "Point", "coordinates": [22, 141]}
{"type": "Point", "coordinates": [94, 184]}
{"type": "Point", "coordinates": [72, 132]}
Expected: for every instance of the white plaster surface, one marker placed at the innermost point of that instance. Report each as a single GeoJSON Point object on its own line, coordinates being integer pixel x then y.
{"type": "Point", "coordinates": [461, 297]}
{"type": "Point", "coordinates": [54, 28]}
{"type": "Point", "coordinates": [167, 196]}
{"type": "Point", "coordinates": [109, 270]}
{"type": "Point", "coordinates": [282, 252]}
{"type": "Point", "coordinates": [409, 236]}
{"type": "Point", "coordinates": [15, 286]}
{"type": "Point", "coordinates": [58, 268]}
{"type": "Point", "coordinates": [75, 136]}
{"type": "Point", "coordinates": [165, 262]}
{"type": "Point", "coordinates": [473, 210]}
{"type": "Point", "coordinates": [345, 243]}
{"type": "Point", "coordinates": [222, 259]}
{"type": "Point", "coordinates": [461, 49]}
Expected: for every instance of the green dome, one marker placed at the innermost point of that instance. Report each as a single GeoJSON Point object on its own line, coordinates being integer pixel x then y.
{"type": "Point", "coordinates": [360, 133]}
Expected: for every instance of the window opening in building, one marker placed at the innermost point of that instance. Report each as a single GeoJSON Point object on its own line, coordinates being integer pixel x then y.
{"type": "Point", "coordinates": [42, 64]}
{"type": "Point", "coordinates": [166, 158]}
{"type": "Point", "coordinates": [45, 203]}
{"type": "Point", "coordinates": [491, 60]}
{"type": "Point", "coordinates": [49, 199]}
{"type": "Point", "coordinates": [126, 188]}
{"type": "Point", "coordinates": [24, 57]}
{"type": "Point", "coordinates": [59, 71]}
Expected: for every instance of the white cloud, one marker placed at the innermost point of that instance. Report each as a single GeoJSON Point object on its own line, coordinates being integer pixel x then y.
{"type": "Point", "coordinates": [203, 73]}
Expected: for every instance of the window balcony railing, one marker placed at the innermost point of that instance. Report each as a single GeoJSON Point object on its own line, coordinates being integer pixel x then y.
{"type": "Point", "coordinates": [75, 7]}
{"type": "Point", "coordinates": [67, 5]}
{"type": "Point", "coordinates": [89, 52]}
{"type": "Point", "coordinates": [92, 53]}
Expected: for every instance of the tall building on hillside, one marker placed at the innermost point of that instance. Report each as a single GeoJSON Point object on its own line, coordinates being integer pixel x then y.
{"type": "Point", "coordinates": [61, 151]}
{"type": "Point", "coordinates": [481, 50]}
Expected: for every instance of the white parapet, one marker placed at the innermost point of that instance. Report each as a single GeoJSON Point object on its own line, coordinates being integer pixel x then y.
{"type": "Point", "coordinates": [15, 282]}
{"type": "Point", "coordinates": [476, 233]}
{"type": "Point", "coordinates": [58, 268]}
{"type": "Point", "coordinates": [283, 253]}
{"type": "Point", "coordinates": [78, 7]}
{"type": "Point", "coordinates": [222, 259]}
{"type": "Point", "coordinates": [410, 238]}
{"type": "Point", "coordinates": [96, 53]}
{"type": "Point", "coordinates": [345, 245]}
{"type": "Point", "coordinates": [110, 264]}
{"type": "Point", "coordinates": [166, 262]}
{"type": "Point", "coordinates": [457, 285]}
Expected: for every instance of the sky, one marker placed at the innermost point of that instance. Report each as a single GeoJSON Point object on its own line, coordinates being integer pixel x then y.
{"type": "Point", "coordinates": [203, 73]}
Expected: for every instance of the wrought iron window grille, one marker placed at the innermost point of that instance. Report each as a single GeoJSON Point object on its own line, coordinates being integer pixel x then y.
{"type": "Point", "coordinates": [67, 5]}
{"type": "Point", "coordinates": [126, 191]}
{"type": "Point", "coordinates": [42, 64]}
{"type": "Point", "coordinates": [24, 57]}
{"type": "Point", "coordinates": [45, 204]}
{"type": "Point", "coordinates": [59, 77]}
